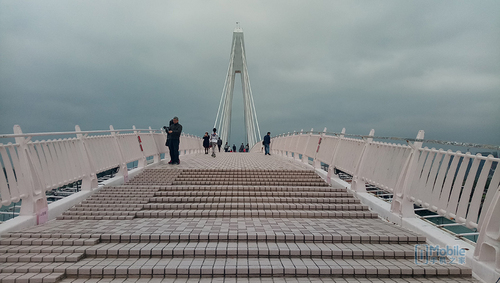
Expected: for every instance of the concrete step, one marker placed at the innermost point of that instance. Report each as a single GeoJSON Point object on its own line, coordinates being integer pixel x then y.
{"type": "Point", "coordinates": [346, 200]}
{"type": "Point", "coordinates": [150, 182]}
{"type": "Point", "coordinates": [251, 178]}
{"type": "Point", "coordinates": [253, 183]}
{"type": "Point", "coordinates": [94, 207]}
{"type": "Point", "coordinates": [275, 279]}
{"type": "Point", "coordinates": [109, 206]}
{"type": "Point", "coordinates": [255, 213]}
{"type": "Point", "coordinates": [260, 236]}
{"type": "Point", "coordinates": [322, 230]}
{"type": "Point", "coordinates": [95, 217]}
{"type": "Point", "coordinates": [10, 239]}
{"type": "Point", "coordinates": [119, 199]}
{"type": "Point", "coordinates": [128, 189]}
{"type": "Point", "coordinates": [252, 266]}
{"type": "Point", "coordinates": [251, 188]}
{"type": "Point", "coordinates": [43, 249]}
{"type": "Point", "coordinates": [253, 194]}
{"type": "Point", "coordinates": [256, 205]}
{"type": "Point", "coordinates": [112, 201]}
{"type": "Point", "coordinates": [247, 171]}
{"type": "Point", "coordinates": [33, 277]}
{"type": "Point", "coordinates": [252, 249]}
{"type": "Point", "coordinates": [123, 194]}
{"type": "Point", "coordinates": [99, 213]}
{"type": "Point", "coordinates": [40, 257]}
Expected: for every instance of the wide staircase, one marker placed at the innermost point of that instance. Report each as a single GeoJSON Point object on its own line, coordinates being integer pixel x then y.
{"type": "Point", "coordinates": [216, 225]}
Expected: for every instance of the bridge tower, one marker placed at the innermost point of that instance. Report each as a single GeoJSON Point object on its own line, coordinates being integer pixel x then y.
{"type": "Point", "coordinates": [237, 65]}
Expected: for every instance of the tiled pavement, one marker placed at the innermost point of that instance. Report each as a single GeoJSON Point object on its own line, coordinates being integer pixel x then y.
{"type": "Point", "coordinates": [238, 217]}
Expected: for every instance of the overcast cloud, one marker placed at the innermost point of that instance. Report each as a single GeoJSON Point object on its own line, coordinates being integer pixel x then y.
{"type": "Point", "coordinates": [394, 66]}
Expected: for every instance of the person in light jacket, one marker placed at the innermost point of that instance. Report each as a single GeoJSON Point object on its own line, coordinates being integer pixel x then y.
{"type": "Point", "coordinates": [214, 139]}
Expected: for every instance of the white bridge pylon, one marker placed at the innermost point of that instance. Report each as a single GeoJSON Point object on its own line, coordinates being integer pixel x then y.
{"type": "Point", "coordinates": [237, 65]}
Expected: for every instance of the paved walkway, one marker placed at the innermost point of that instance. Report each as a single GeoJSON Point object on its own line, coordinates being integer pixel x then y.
{"type": "Point", "coordinates": [239, 217]}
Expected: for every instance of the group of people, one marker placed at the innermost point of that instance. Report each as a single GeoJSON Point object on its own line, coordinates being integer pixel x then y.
{"type": "Point", "coordinates": [213, 140]}
{"type": "Point", "coordinates": [243, 148]}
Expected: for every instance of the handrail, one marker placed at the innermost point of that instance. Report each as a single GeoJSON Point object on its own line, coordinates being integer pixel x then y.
{"type": "Point", "coordinates": [33, 167]}
{"type": "Point", "coordinates": [458, 186]}
{"type": "Point", "coordinates": [72, 133]}
{"type": "Point", "coordinates": [449, 143]}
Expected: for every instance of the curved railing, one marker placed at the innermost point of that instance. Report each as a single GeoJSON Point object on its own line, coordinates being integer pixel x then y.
{"type": "Point", "coordinates": [459, 186]}
{"type": "Point", "coordinates": [33, 167]}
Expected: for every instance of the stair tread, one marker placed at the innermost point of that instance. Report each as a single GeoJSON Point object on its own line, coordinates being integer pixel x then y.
{"type": "Point", "coordinates": [253, 248]}
{"type": "Point", "coordinates": [295, 266]}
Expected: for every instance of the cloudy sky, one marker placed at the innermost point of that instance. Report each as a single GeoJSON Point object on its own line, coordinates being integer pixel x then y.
{"type": "Point", "coordinates": [393, 66]}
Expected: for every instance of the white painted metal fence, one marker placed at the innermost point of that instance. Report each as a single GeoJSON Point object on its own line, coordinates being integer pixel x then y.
{"type": "Point", "coordinates": [459, 186]}
{"type": "Point", "coordinates": [33, 167]}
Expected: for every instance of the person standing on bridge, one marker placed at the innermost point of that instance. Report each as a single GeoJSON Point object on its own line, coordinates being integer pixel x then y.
{"type": "Point", "coordinates": [214, 140]}
{"type": "Point", "coordinates": [175, 131]}
{"type": "Point", "coordinates": [219, 143]}
{"type": "Point", "coordinates": [167, 143]}
{"type": "Point", "coordinates": [267, 142]}
{"type": "Point", "coordinates": [206, 142]}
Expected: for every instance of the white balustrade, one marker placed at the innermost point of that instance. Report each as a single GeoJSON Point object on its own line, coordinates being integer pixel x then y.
{"type": "Point", "coordinates": [326, 149]}
{"type": "Point", "coordinates": [311, 146]}
{"type": "Point", "coordinates": [459, 186]}
{"type": "Point", "coordinates": [33, 167]}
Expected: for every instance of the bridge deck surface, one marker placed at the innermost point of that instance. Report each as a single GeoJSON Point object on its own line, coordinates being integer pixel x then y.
{"type": "Point", "coordinates": [224, 219]}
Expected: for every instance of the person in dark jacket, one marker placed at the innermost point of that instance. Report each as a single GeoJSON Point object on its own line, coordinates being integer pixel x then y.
{"type": "Point", "coordinates": [206, 142]}
{"type": "Point", "coordinates": [267, 142]}
{"type": "Point", "coordinates": [175, 131]}
{"type": "Point", "coordinates": [234, 148]}
{"type": "Point", "coordinates": [219, 143]}
{"type": "Point", "coordinates": [167, 143]}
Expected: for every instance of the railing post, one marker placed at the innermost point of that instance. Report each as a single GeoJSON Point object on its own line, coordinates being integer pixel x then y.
{"type": "Point", "coordinates": [286, 145]}
{"type": "Point", "coordinates": [282, 145]}
{"type": "Point", "coordinates": [122, 170]}
{"type": "Point", "coordinates": [316, 163]}
{"type": "Point", "coordinates": [89, 180]}
{"type": "Point", "coordinates": [296, 149]}
{"type": "Point", "coordinates": [488, 242]}
{"type": "Point", "coordinates": [29, 180]}
{"type": "Point", "coordinates": [401, 205]}
{"type": "Point", "coordinates": [331, 166]}
{"type": "Point", "coordinates": [305, 159]}
{"type": "Point", "coordinates": [181, 151]}
{"type": "Point", "coordinates": [142, 162]}
{"type": "Point", "coordinates": [358, 184]}
{"type": "Point", "coordinates": [156, 156]}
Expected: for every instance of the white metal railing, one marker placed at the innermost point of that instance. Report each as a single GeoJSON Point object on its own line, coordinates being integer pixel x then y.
{"type": "Point", "coordinates": [33, 167]}
{"type": "Point", "coordinates": [459, 186]}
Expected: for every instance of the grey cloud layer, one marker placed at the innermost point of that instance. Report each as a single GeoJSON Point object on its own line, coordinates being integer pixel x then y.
{"type": "Point", "coordinates": [394, 66]}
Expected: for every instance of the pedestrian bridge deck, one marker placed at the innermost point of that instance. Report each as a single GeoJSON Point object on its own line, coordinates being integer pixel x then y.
{"type": "Point", "coordinates": [240, 217]}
